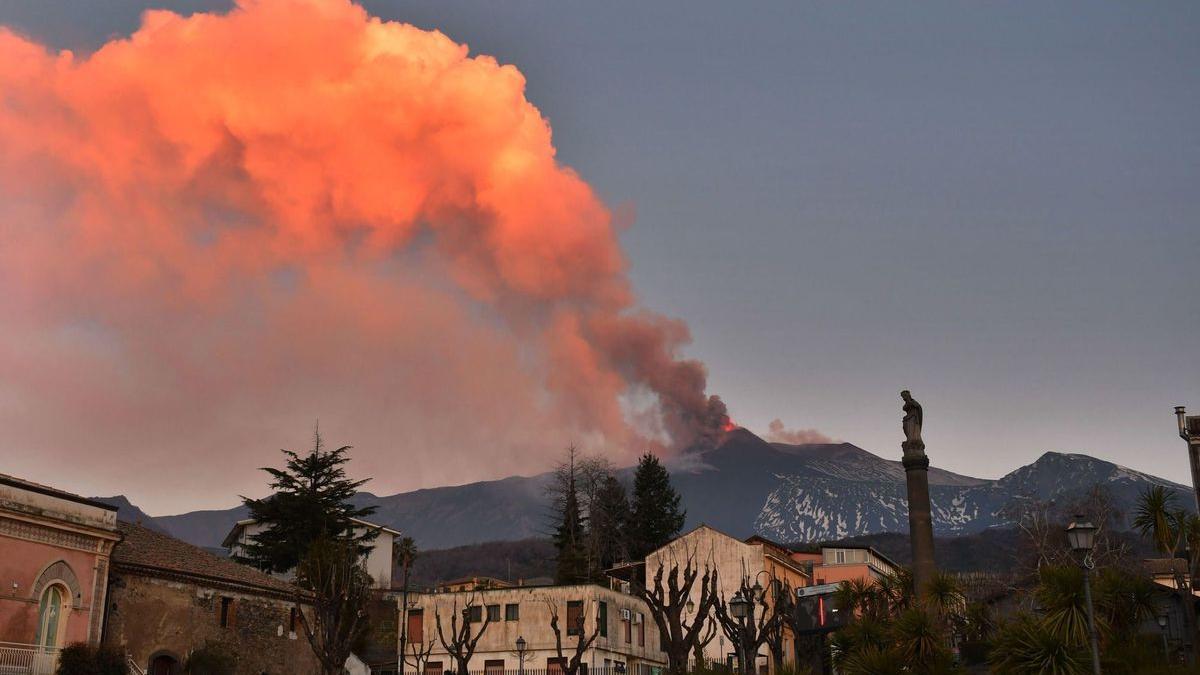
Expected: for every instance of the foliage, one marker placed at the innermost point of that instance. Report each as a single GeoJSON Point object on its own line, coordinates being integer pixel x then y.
{"type": "Point", "coordinates": [83, 659]}
{"type": "Point", "coordinates": [311, 501]}
{"type": "Point", "coordinates": [569, 537]}
{"type": "Point", "coordinates": [211, 659]}
{"type": "Point", "coordinates": [340, 585]}
{"type": "Point", "coordinates": [656, 516]}
{"type": "Point", "coordinates": [608, 524]}
{"type": "Point", "coordinates": [1026, 645]}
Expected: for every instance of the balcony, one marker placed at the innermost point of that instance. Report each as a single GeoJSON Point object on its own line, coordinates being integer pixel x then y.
{"type": "Point", "coordinates": [22, 659]}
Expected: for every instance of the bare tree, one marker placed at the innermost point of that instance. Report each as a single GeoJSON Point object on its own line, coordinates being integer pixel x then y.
{"type": "Point", "coordinates": [340, 588]}
{"type": "Point", "coordinates": [749, 632]}
{"type": "Point", "coordinates": [667, 598]}
{"type": "Point", "coordinates": [417, 655]}
{"type": "Point", "coordinates": [404, 550]}
{"type": "Point", "coordinates": [570, 665]}
{"type": "Point", "coordinates": [461, 645]}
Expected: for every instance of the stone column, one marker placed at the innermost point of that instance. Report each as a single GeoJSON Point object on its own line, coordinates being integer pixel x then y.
{"type": "Point", "coordinates": [920, 517]}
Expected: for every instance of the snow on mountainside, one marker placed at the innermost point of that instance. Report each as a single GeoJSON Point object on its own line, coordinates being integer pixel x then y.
{"type": "Point", "coordinates": [743, 486]}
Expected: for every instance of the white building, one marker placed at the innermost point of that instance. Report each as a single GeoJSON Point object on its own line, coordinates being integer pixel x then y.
{"type": "Point", "coordinates": [627, 641]}
{"type": "Point", "coordinates": [379, 561]}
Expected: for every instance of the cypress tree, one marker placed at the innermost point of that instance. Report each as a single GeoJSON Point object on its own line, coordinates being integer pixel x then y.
{"type": "Point", "coordinates": [311, 502]}
{"type": "Point", "coordinates": [569, 537]}
{"type": "Point", "coordinates": [656, 517]}
{"type": "Point", "coordinates": [608, 525]}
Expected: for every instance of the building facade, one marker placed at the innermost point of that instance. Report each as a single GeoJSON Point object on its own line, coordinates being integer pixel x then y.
{"type": "Point", "coordinates": [755, 561]}
{"type": "Point", "coordinates": [54, 570]}
{"type": "Point", "coordinates": [626, 639]}
{"type": "Point", "coordinates": [835, 564]}
{"type": "Point", "coordinates": [379, 561]}
{"type": "Point", "coordinates": [168, 598]}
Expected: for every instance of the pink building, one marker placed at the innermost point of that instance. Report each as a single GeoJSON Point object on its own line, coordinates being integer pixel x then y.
{"type": "Point", "coordinates": [54, 558]}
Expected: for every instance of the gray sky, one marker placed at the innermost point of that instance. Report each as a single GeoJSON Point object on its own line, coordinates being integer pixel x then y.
{"type": "Point", "coordinates": [995, 205]}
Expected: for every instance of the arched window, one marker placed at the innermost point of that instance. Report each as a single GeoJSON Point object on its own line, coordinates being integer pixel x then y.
{"type": "Point", "coordinates": [52, 619]}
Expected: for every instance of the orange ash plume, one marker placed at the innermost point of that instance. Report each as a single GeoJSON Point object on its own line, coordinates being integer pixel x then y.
{"type": "Point", "coordinates": [226, 218]}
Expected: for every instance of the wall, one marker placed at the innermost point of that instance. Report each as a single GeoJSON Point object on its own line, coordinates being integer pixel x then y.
{"type": "Point", "coordinates": [378, 561]}
{"type": "Point", "coordinates": [51, 537]}
{"type": "Point", "coordinates": [148, 616]}
{"type": "Point", "coordinates": [535, 603]}
{"type": "Point", "coordinates": [21, 565]}
{"type": "Point", "coordinates": [733, 559]}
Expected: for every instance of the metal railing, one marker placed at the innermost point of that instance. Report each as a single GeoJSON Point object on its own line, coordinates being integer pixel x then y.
{"type": "Point", "coordinates": [134, 668]}
{"type": "Point", "coordinates": [23, 659]}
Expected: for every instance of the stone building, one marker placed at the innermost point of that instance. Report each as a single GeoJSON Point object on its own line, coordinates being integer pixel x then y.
{"type": "Point", "coordinates": [53, 572]}
{"type": "Point", "coordinates": [168, 598]}
{"type": "Point", "coordinates": [627, 640]}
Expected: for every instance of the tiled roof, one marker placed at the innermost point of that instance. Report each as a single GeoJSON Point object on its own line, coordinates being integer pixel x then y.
{"type": "Point", "coordinates": [145, 549]}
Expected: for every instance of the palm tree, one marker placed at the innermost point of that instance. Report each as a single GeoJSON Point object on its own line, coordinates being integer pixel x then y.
{"type": "Point", "coordinates": [1024, 645]}
{"type": "Point", "coordinates": [1159, 518]}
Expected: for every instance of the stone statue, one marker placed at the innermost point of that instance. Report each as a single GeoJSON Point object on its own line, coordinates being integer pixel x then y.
{"type": "Point", "coordinates": [911, 423]}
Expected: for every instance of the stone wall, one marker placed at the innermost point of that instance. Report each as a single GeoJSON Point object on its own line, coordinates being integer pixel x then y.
{"type": "Point", "coordinates": [150, 616]}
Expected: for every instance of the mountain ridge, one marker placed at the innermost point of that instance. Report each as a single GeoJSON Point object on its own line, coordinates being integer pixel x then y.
{"type": "Point", "coordinates": [745, 485]}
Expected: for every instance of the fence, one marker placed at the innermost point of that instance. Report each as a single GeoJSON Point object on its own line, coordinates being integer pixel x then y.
{"type": "Point", "coordinates": [21, 659]}
{"type": "Point", "coordinates": [584, 669]}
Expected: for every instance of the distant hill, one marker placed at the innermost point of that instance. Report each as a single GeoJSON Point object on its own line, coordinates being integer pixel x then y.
{"type": "Point", "coordinates": [744, 486]}
{"type": "Point", "coordinates": [131, 514]}
{"type": "Point", "coordinates": [514, 561]}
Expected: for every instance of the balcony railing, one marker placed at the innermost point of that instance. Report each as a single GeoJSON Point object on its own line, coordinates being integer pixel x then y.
{"type": "Point", "coordinates": [22, 659]}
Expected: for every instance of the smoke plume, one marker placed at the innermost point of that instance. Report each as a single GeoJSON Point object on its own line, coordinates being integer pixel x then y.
{"type": "Point", "coordinates": [778, 433]}
{"type": "Point", "coordinates": [229, 224]}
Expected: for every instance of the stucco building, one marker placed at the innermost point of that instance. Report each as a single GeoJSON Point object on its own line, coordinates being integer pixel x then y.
{"type": "Point", "coordinates": [627, 640]}
{"type": "Point", "coordinates": [56, 547]}
{"type": "Point", "coordinates": [835, 564]}
{"type": "Point", "coordinates": [755, 560]}
{"type": "Point", "coordinates": [379, 561]}
{"type": "Point", "coordinates": [168, 598]}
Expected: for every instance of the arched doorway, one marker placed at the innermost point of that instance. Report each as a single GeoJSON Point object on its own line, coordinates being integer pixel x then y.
{"type": "Point", "coordinates": [163, 664]}
{"type": "Point", "coordinates": [53, 608]}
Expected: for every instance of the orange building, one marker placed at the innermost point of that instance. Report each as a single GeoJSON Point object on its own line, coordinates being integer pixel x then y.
{"type": "Point", "coordinates": [835, 564]}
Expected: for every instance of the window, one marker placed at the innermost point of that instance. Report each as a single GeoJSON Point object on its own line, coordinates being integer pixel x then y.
{"type": "Point", "coordinates": [228, 612]}
{"type": "Point", "coordinates": [555, 666]}
{"type": "Point", "coordinates": [292, 621]}
{"type": "Point", "coordinates": [602, 619]}
{"type": "Point", "coordinates": [475, 613]}
{"type": "Point", "coordinates": [840, 556]}
{"type": "Point", "coordinates": [512, 612]}
{"type": "Point", "coordinates": [627, 619]}
{"type": "Point", "coordinates": [493, 667]}
{"type": "Point", "coordinates": [433, 668]}
{"type": "Point", "coordinates": [493, 612]}
{"type": "Point", "coordinates": [416, 626]}
{"type": "Point", "coordinates": [50, 611]}
{"type": "Point", "coordinates": [641, 630]}
{"type": "Point", "coordinates": [574, 617]}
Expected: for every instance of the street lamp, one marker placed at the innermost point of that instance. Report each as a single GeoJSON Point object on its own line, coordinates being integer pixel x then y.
{"type": "Point", "coordinates": [1162, 626]}
{"type": "Point", "coordinates": [740, 606]}
{"type": "Point", "coordinates": [1081, 534]}
{"type": "Point", "coordinates": [521, 644]}
{"type": "Point", "coordinates": [691, 606]}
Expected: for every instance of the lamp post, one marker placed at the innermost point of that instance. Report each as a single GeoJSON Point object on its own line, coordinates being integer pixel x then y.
{"type": "Point", "coordinates": [1162, 627]}
{"type": "Point", "coordinates": [1189, 431]}
{"type": "Point", "coordinates": [521, 644]}
{"type": "Point", "coordinates": [739, 605]}
{"type": "Point", "coordinates": [1081, 535]}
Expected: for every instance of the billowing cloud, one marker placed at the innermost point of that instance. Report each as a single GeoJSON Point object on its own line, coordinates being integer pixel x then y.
{"type": "Point", "coordinates": [228, 225]}
{"type": "Point", "coordinates": [778, 433]}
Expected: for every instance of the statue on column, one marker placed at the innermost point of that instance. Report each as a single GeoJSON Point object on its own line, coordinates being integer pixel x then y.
{"type": "Point", "coordinates": [911, 424]}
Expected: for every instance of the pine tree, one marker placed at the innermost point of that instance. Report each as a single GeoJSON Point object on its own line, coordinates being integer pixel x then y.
{"type": "Point", "coordinates": [311, 502]}
{"type": "Point", "coordinates": [569, 537]}
{"type": "Point", "coordinates": [608, 525]}
{"type": "Point", "coordinates": [656, 517]}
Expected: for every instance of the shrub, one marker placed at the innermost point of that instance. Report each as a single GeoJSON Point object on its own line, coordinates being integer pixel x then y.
{"type": "Point", "coordinates": [211, 659]}
{"type": "Point", "coordinates": [83, 659]}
